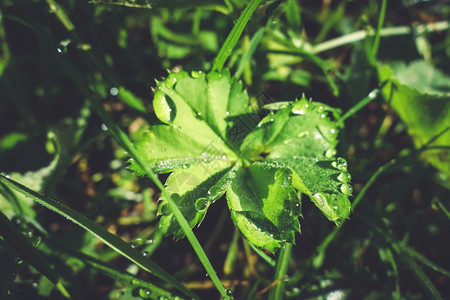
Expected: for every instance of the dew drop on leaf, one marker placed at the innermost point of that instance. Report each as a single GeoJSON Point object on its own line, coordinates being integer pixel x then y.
{"type": "Point", "coordinates": [232, 174]}
{"type": "Point", "coordinates": [146, 254]}
{"type": "Point", "coordinates": [144, 293]}
{"type": "Point", "coordinates": [340, 164]}
{"type": "Point", "coordinates": [344, 177]}
{"type": "Point", "coordinates": [196, 74]}
{"type": "Point", "coordinates": [171, 80]}
{"type": "Point", "coordinates": [201, 204]}
{"type": "Point", "coordinates": [164, 107]}
{"type": "Point", "coordinates": [330, 153]}
{"type": "Point", "coordinates": [300, 107]}
{"type": "Point", "coordinates": [320, 199]}
{"type": "Point", "coordinates": [18, 260]}
{"type": "Point", "coordinates": [283, 177]}
{"type": "Point", "coordinates": [214, 192]}
{"type": "Point", "coordinates": [346, 189]}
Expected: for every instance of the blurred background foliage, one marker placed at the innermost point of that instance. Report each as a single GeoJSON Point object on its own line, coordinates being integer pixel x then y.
{"type": "Point", "coordinates": [397, 241]}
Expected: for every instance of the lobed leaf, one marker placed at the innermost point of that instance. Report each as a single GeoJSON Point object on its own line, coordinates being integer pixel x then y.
{"type": "Point", "coordinates": [213, 144]}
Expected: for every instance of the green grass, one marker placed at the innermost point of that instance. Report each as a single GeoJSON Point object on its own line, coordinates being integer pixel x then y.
{"type": "Point", "coordinates": [76, 83]}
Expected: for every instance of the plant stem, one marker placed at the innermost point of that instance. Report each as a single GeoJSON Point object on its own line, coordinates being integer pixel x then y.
{"type": "Point", "coordinates": [376, 42]}
{"type": "Point", "coordinates": [280, 272]}
{"type": "Point", "coordinates": [354, 109]}
{"type": "Point", "coordinates": [234, 35]}
{"type": "Point", "coordinates": [384, 32]}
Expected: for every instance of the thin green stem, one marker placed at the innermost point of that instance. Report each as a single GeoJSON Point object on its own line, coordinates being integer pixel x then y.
{"type": "Point", "coordinates": [376, 42]}
{"type": "Point", "coordinates": [263, 255]}
{"type": "Point", "coordinates": [234, 35]}
{"type": "Point", "coordinates": [277, 293]}
{"type": "Point", "coordinates": [384, 32]}
{"type": "Point", "coordinates": [254, 42]}
{"type": "Point", "coordinates": [62, 16]}
{"type": "Point", "coordinates": [358, 106]}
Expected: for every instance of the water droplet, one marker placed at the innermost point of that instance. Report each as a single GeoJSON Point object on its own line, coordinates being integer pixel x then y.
{"type": "Point", "coordinates": [330, 153]}
{"type": "Point", "coordinates": [320, 199]}
{"type": "Point", "coordinates": [201, 204]}
{"type": "Point", "coordinates": [340, 164]}
{"type": "Point", "coordinates": [346, 189]}
{"type": "Point", "coordinates": [114, 91]}
{"type": "Point", "coordinates": [196, 74]}
{"type": "Point", "coordinates": [164, 107]}
{"type": "Point", "coordinates": [271, 119]}
{"type": "Point", "coordinates": [302, 134]}
{"type": "Point", "coordinates": [38, 241]}
{"type": "Point", "coordinates": [35, 284]}
{"type": "Point", "coordinates": [104, 127]}
{"type": "Point", "coordinates": [29, 234]}
{"type": "Point", "coordinates": [171, 80]}
{"type": "Point", "coordinates": [229, 291]}
{"type": "Point", "coordinates": [185, 166]}
{"type": "Point", "coordinates": [344, 177]}
{"type": "Point", "coordinates": [227, 113]}
{"type": "Point", "coordinates": [63, 46]}
{"type": "Point", "coordinates": [215, 192]}
{"type": "Point", "coordinates": [283, 177]}
{"type": "Point", "coordinates": [149, 241]}
{"type": "Point", "coordinates": [232, 174]}
{"type": "Point", "coordinates": [145, 254]}
{"type": "Point", "coordinates": [163, 150]}
{"type": "Point", "coordinates": [144, 293]}
{"type": "Point", "coordinates": [18, 260]}
{"type": "Point", "coordinates": [300, 107]}
{"type": "Point", "coordinates": [135, 281]}
{"type": "Point", "coordinates": [16, 220]}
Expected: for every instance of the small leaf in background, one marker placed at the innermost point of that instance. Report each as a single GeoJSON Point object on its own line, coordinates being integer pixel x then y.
{"type": "Point", "coordinates": [420, 94]}
{"type": "Point", "coordinates": [211, 144]}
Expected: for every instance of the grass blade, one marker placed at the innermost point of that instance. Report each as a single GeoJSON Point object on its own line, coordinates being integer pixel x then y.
{"type": "Point", "coordinates": [284, 258]}
{"type": "Point", "coordinates": [16, 239]}
{"type": "Point", "coordinates": [234, 35]}
{"type": "Point", "coordinates": [254, 42]}
{"type": "Point", "coordinates": [422, 278]}
{"type": "Point", "coordinates": [117, 275]}
{"type": "Point", "coordinates": [108, 238]}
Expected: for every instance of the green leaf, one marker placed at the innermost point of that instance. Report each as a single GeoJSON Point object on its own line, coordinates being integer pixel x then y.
{"type": "Point", "coordinates": [264, 205]}
{"type": "Point", "coordinates": [420, 95]}
{"type": "Point", "coordinates": [212, 143]}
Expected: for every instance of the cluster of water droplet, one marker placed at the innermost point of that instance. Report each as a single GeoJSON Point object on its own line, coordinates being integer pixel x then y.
{"type": "Point", "coordinates": [344, 176]}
